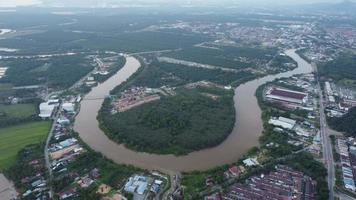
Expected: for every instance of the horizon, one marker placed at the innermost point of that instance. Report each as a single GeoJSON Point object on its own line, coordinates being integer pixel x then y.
{"type": "Point", "coordinates": [118, 3]}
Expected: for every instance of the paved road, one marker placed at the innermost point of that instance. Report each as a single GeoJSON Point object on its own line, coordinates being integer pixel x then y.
{"type": "Point", "coordinates": [327, 147]}
{"type": "Point", "coordinates": [48, 164]}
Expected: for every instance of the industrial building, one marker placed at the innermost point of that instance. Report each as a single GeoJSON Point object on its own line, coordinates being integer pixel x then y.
{"type": "Point", "coordinates": [285, 95]}
{"type": "Point", "coordinates": [47, 108]}
{"type": "Point", "coordinates": [68, 107]}
{"type": "Point", "coordinates": [283, 122]}
{"type": "Point", "coordinates": [136, 184]}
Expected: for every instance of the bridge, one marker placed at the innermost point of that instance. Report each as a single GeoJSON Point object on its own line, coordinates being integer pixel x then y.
{"type": "Point", "coordinates": [93, 98]}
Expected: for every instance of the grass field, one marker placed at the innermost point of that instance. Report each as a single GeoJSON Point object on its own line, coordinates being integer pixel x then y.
{"type": "Point", "coordinates": [13, 139]}
{"type": "Point", "coordinates": [18, 110]}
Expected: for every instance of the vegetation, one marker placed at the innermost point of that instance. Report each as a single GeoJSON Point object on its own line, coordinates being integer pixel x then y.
{"type": "Point", "coordinates": [14, 138]}
{"type": "Point", "coordinates": [17, 113]}
{"type": "Point", "coordinates": [345, 123]}
{"type": "Point", "coordinates": [18, 110]}
{"type": "Point", "coordinates": [111, 173]}
{"type": "Point", "coordinates": [60, 72]}
{"type": "Point", "coordinates": [158, 74]}
{"type": "Point", "coordinates": [342, 69]}
{"type": "Point", "coordinates": [217, 57]}
{"type": "Point", "coordinates": [112, 70]}
{"type": "Point", "coordinates": [336, 156]}
{"type": "Point", "coordinates": [305, 163]}
{"type": "Point", "coordinates": [142, 41]}
{"type": "Point", "coordinates": [223, 56]}
{"type": "Point", "coordinates": [194, 182]}
{"type": "Point", "coordinates": [177, 124]}
{"type": "Point", "coordinates": [22, 167]}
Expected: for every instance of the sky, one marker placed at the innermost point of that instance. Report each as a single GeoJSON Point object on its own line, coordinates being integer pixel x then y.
{"type": "Point", "coordinates": [90, 3]}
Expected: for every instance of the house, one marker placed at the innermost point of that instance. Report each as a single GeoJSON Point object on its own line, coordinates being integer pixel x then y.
{"type": "Point", "coordinates": [156, 186]}
{"type": "Point", "coordinates": [67, 194]}
{"type": "Point", "coordinates": [85, 182]}
{"type": "Point", "coordinates": [95, 173]}
{"type": "Point", "coordinates": [216, 196]}
{"type": "Point", "coordinates": [103, 189]}
{"type": "Point", "coordinates": [233, 171]}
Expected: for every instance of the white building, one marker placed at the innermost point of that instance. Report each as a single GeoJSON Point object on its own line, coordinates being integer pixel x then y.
{"type": "Point", "coordinates": [136, 184]}
{"type": "Point", "coordinates": [283, 122]}
{"type": "Point", "coordinates": [47, 108]}
{"type": "Point", "coordinates": [249, 162]}
{"type": "Point", "coordinates": [328, 89]}
{"type": "Point", "coordinates": [68, 107]}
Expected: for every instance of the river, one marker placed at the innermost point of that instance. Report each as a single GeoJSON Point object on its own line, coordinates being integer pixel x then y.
{"type": "Point", "coordinates": [245, 134]}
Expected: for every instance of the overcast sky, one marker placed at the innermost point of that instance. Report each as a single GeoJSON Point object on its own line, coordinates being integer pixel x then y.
{"type": "Point", "coordinates": [90, 3]}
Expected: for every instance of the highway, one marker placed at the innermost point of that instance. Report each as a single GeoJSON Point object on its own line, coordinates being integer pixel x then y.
{"type": "Point", "coordinates": [326, 146]}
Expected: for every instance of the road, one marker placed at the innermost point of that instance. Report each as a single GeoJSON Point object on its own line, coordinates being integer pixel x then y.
{"type": "Point", "coordinates": [326, 146]}
{"type": "Point", "coordinates": [48, 164]}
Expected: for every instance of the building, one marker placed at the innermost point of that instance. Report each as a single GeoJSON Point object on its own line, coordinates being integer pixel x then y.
{"type": "Point", "coordinates": [346, 165]}
{"type": "Point", "coordinates": [136, 184]}
{"type": "Point", "coordinates": [285, 95]}
{"type": "Point", "coordinates": [284, 183]}
{"type": "Point", "coordinates": [63, 121]}
{"type": "Point", "coordinates": [283, 122]}
{"type": "Point", "coordinates": [68, 107]}
{"type": "Point", "coordinates": [328, 89]}
{"type": "Point", "coordinates": [47, 108]}
{"type": "Point", "coordinates": [249, 162]}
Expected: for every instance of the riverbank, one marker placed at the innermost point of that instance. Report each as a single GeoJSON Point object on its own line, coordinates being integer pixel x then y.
{"type": "Point", "coordinates": [244, 136]}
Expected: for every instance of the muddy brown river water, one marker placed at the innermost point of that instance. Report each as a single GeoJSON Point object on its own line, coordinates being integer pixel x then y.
{"type": "Point", "coordinates": [245, 134]}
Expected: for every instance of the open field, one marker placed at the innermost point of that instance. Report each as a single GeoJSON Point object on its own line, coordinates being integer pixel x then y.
{"type": "Point", "coordinates": [18, 110]}
{"type": "Point", "coordinates": [14, 138]}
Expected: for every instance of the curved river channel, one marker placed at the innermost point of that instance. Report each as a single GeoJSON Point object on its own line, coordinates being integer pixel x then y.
{"type": "Point", "coordinates": [245, 134]}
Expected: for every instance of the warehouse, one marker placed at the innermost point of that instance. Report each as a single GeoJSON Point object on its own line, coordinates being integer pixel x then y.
{"type": "Point", "coordinates": [285, 95]}
{"type": "Point", "coordinates": [47, 108]}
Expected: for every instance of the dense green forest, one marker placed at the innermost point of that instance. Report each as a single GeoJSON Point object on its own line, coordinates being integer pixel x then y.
{"type": "Point", "coordinates": [224, 56]}
{"type": "Point", "coordinates": [343, 67]}
{"type": "Point", "coordinates": [158, 74]}
{"type": "Point", "coordinates": [63, 41]}
{"type": "Point", "coordinates": [178, 124]}
{"type": "Point", "coordinates": [346, 123]}
{"type": "Point", "coordinates": [58, 72]}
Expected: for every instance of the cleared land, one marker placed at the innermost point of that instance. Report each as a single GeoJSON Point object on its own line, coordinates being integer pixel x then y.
{"type": "Point", "coordinates": [18, 110]}
{"type": "Point", "coordinates": [14, 138]}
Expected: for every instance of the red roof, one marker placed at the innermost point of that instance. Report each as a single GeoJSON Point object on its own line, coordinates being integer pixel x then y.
{"type": "Point", "coordinates": [288, 94]}
{"type": "Point", "coordinates": [234, 169]}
